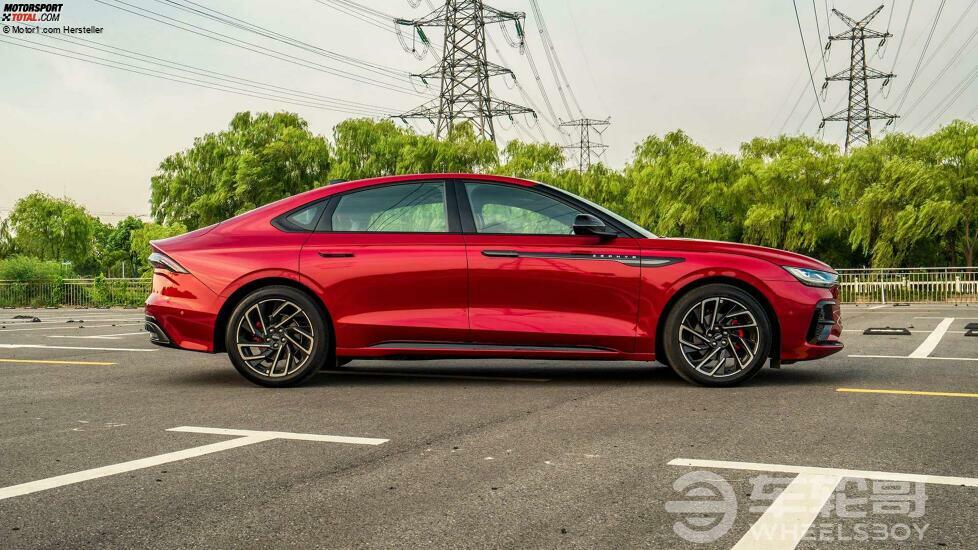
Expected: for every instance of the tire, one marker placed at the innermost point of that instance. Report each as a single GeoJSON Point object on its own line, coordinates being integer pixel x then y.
{"type": "Point", "coordinates": [281, 323]}
{"type": "Point", "coordinates": [717, 335]}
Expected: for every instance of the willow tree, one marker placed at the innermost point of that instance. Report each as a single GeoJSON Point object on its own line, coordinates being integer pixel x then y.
{"type": "Point", "coordinates": [787, 183]}
{"type": "Point", "coordinates": [258, 159]}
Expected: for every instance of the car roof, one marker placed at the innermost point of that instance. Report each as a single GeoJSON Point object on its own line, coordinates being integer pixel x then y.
{"type": "Point", "coordinates": [341, 187]}
{"type": "Point", "coordinates": [348, 185]}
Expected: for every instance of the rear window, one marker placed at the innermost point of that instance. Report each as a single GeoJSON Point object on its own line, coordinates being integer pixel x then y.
{"type": "Point", "coordinates": [303, 219]}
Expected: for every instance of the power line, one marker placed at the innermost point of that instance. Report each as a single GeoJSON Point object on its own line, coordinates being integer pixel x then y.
{"type": "Point", "coordinates": [804, 48]}
{"type": "Point", "coordinates": [526, 96]}
{"type": "Point", "coordinates": [528, 54]}
{"type": "Point", "coordinates": [948, 100]}
{"type": "Point", "coordinates": [183, 79]}
{"type": "Point", "coordinates": [940, 75]}
{"type": "Point", "coordinates": [818, 33]}
{"type": "Point", "coordinates": [920, 59]}
{"type": "Point", "coordinates": [545, 32]}
{"type": "Point", "coordinates": [587, 62]}
{"type": "Point", "coordinates": [903, 38]}
{"type": "Point", "coordinates": [235, 22]}
{"type": "Point", "coordinates": [787, 96]}
{"type": "Point", "coordinates": [889, 21]}
{"type": "Point", "coordinates": [236, 42]}
{"type": "Point", "coordinates": [549, 52]}
{"type": "Point", "coordinates": [152, 60]}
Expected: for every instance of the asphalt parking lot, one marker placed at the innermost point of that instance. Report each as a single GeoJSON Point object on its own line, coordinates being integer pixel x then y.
{"type": "Point", "coordinates": [485, 453]}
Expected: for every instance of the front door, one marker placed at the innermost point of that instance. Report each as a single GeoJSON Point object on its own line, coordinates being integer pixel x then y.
{"type": "Point", "coordinates": [533, 282]}
{"type": "Point", "coordinates": [390, 262]}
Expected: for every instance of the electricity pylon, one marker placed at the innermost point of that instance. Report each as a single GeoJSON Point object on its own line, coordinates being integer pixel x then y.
{"type": "Point", "coordinates": [464, 71]}
{"type": "Point", "coordinates": [588, 150]}
{"type": "Point", "coordinates": [859, 113]}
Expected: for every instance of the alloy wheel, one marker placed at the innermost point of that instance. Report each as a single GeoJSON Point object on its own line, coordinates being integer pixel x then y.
{"type": "Point", "coordinates": [719, 337]}
{"type": "Point", "coordinates": [275, 337]}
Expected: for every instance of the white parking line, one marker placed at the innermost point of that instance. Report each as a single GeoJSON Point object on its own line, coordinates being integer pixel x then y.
{"type": "Point", "coordinates": [815, 470]}
{"type": "Point", "coordinates": [788, 518]}
{"type": "Point", "coordinates": [68, 327]}
{"type": "Point", "coordinates": [879, 307]}
{"type": "Point", "coordinates": [247, 437]}
{"type": "Point", "coordinates": [98, 336]}
{"type": "Point", "coordinates": [905, 357]}
{"type": "Point", "coordinates": [79, 321]}
{"type": "Point", "coordinates": [961, 318]}
{"type": "Point", "coordinates": [911, 331]}
{"type": "Point", "coordinates": [928, 345]}
{"type": "Point", "coordinates": [44, 346]}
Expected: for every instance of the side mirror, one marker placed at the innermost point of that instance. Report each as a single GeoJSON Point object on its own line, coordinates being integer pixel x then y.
{"type": "Point", "coordinates": [585, 224]}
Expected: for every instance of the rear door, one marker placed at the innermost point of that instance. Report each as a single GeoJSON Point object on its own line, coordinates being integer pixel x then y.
{"type": "Point", "coordinates": [533, 282]}
{"type": "Point", "coordinates": [390, 261]}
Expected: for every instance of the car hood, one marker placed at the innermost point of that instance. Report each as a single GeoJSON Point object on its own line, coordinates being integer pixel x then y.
{"type": "Point", "coordinates": [773, 255]}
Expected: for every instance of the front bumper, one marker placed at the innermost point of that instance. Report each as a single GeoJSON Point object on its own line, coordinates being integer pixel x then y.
{"type": "Point", "coordinates": [810, 318]}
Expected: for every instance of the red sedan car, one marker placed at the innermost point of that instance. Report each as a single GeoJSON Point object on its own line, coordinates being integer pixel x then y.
{"type": "Point", "coordinates": [467, 266]}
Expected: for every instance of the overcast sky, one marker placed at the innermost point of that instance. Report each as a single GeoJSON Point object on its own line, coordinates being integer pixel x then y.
{"type": "Point", "coordinates": [722, 71]}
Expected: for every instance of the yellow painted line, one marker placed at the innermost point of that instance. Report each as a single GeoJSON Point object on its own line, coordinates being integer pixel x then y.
{"type": "Point", "coordinates": [908, 392]}
{"type": "Point", "coordinates": [42, 362]}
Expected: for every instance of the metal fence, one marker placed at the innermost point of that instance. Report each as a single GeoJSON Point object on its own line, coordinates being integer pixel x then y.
{"type": "Point", "coordinates": [881, 286]}
{"type": "Point", "coordinates": [909, 285]}
{"type": "Point", "coordinates": [98, 292]}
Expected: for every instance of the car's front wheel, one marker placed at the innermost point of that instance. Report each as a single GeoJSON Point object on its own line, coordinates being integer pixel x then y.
{"type": "Point", "coordinates": [277, 336]}
{"type": "Point", "coordinates": [717, 335]}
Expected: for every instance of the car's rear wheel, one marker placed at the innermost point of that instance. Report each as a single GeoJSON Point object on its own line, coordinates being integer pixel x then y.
{"type": "Point", "coordinates": [717, 335]}
{"type": "Point", "coordinates": [277, 336]}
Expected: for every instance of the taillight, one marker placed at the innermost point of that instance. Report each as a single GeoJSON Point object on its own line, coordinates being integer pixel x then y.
{"type": "Point", "coordinates": [161, 261]}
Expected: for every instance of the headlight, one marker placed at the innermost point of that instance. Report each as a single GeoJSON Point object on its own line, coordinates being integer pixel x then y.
{"type": "Point", "coordinates": [813, 277]}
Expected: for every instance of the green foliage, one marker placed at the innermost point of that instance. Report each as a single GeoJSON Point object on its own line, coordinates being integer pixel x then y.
{"type": "Point", "coordinates": [529, 160]}
{"type": "Point", "coordinates": [26, 268]}
{"type": "Point", "coordinates": [27, 281]}
{"type": "Point", "coordinates": [367, 149]}
{"type": "Point", "coordinates": [44, 227]}
{"type": "Point", "coordinates": [258, 159]}
{"type": "Point", "coordinates": [139, 246]}
{"type": "Point", "coordinates": [901, 201]}
{"type": "Point", "coordinates": [680, 189]}
{"type": "Point", "coordinates": [787, 185]}
{"type": "Point", "coordinates": [116, 248]}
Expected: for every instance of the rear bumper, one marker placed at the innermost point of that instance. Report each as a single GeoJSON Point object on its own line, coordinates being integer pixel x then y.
{"type": "Point", "coordinates": [181, 312]}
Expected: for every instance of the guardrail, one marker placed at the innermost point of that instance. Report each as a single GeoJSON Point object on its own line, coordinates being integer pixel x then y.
{"type": "Point", "coordinates": [881, 286]}
{"type": "Point", "coordinates": [909, 285]}
{"type": "Point", "coordinates": [98, 292]}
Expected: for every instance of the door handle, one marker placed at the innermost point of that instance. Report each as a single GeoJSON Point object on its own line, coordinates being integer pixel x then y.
{"type": "Point", "coordinates": [501, 253]}
{"type": "Point", "coordinates": [335, 254]}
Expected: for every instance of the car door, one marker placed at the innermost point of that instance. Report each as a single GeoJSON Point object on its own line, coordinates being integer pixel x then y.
{"type": "Point", "coordinates": [390, 263]}
{"type": "Point", "coordinates": [533, 282]}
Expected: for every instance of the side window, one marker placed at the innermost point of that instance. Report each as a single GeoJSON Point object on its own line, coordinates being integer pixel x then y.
{"type": "Point", "coordinates": [514, 210]}
{"type": "Point", "coordinates": [304, 219]}
{"type": "Point", "coordinates": [417, 207]}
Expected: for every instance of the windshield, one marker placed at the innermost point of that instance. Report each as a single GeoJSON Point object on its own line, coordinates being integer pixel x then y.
{"type": "Point", "coordinates": [630, 224]}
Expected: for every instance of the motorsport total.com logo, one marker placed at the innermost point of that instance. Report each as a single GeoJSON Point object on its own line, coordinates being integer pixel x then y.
{"type": "Point", "coordinates": [32, 13]}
